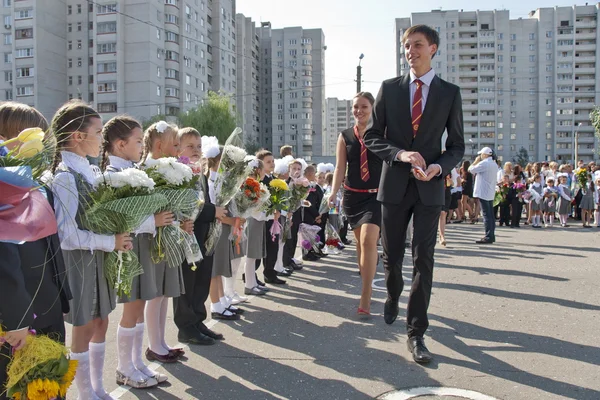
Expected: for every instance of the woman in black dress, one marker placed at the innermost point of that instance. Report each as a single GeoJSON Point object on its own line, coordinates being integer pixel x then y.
{"type": "Point", "coordinates": [360, 192]}
{"type": "Point", "coordinates": [469, 203]}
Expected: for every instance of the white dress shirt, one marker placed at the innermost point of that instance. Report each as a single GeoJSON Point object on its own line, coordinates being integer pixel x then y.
{"type": "Point", "coordinates": [485, 180]}
{"type": "Point", "coordinates": [66, 204]}
{"type": "Point", "coordinates": [426, 80]}
{"type": "Point", "coordinates": [149, 225]}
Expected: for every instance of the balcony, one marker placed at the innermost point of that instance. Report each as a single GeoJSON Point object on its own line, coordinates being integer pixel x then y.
{"type": "Point", "coordinates": [468, 61]}
{"type": "Point", "coordinates": [467, 39]}
{"type": "Point", "coordinates": [467, 51]}
{"type": "Point", "coordinates": [586, 24]}
{"type": "Point", "coordinates": [468, 27]}
{"type": "Point", "coordinates": [469, 118]}
{"type": "Point", "coordinates": [588, 34]}
{"type": "Point", "coordinates": [587, 70]}
{"type": "Point", "coordinates": [467, 95]}
{"type": "Point", "coordinates": [584, 59]}
{"type": "Point", "coordinates": [585, 47]}
{"type": "Point", "coordinates": [469, 107]}
{"type": "Point", "coordinates": [585, 82]}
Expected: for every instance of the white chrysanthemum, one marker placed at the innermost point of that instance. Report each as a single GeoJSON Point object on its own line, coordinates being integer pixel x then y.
{"type": "Point", "coordinates": [174, 172]}
{"type": "Point", "coordinates": [129, 177]}
{"type": "Point", "coordinates": [235, 154]}
{"type": "Point", "coordinates": [161, 126]}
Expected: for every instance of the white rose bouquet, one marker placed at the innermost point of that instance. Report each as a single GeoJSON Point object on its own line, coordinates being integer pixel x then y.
{"type": "Point", "coordinates": [120, 203]}
{"type": "Point", "coordinates": [179, 185]}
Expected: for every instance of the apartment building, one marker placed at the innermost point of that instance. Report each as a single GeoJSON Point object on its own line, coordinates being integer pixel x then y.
{"type": "Point", "coordinates": [526, 83]}
{"type": "Point", "coordinates": [292, 78]}
{"type": "Point", "coordinates": [34, 53]}
{"type": "Point", "coordinates": [248, 71]}
{"type": "Point", "coordinates": [339, 118]}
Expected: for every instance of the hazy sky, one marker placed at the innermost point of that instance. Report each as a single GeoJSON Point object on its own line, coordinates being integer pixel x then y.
{"type": "Point", "coordinates": [353, 27]}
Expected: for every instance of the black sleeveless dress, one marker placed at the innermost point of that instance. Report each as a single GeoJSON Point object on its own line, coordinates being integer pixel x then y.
{"type": "Point", "coordinates": [361, 208]}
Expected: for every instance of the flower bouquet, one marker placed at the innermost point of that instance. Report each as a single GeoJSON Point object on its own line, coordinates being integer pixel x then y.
{"type": "Point", "coordinates": [310, 236]}
{"type": "Point", "coordinates": [40, 370]}
{"type": "Point", "coordinates": [120, 203]}
{"type": "Point", "coordinates": [253, 196]}
{"type": "Point", "coordinates": [232, 172]}
{"type": "Point", "coordinates": [520, 188]}
{"type": "Point", "coordinates": [177, 183]}
{"type": "Point", "coordinates": [333, 240]}
{"type": "Point", "coordinates": [33, 148]}
{"type": "Point", "coordinates": [532, 195]}
{"type": "Point", "coordinates": [501, 193]}
{"type": "Point", "coordinates": [279, 201]}
{"type": "Point", "coordinates": [299, 189]}
{"type": "Point", "coordinates": [581, 175]}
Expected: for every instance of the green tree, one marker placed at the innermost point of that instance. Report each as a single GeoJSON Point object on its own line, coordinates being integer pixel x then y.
{"type": "Point", "coordinates": [522, 157]}
{"type": "Point", "coordinates": [214, 118]}
{"type": "Point", "coordinates": [595, 120]}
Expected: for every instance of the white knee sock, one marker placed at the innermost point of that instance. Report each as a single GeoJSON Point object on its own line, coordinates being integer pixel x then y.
{"type": "Point", "coordinates": [250, 272]}
{"type": "Point", "coordinates": [97, 352]}
{"type": "Point", "coordinates": [551, 219]}
{"type": "Point", "coordinates": [545, 219]}
{"type": "Point", "coordinates": [125, 339]}
{"type": "Point", "coordinates": [153, 313]}
{"type": "Point", "coordinates": [229, 283]}
{"type": "Point", "coordinates": [279, 262]}
{"type": "Point", "coordinates": [136, 354]}
{"type": "Point", "coordinates": [82, 376]}
{"type": "Point", "coordinates": [164, 308]}
{"type": "Point", "coordinates": [597, 218]}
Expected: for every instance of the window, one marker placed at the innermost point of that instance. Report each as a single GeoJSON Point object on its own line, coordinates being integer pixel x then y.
{"type": "Point", "coordinates": [172, 55]}
{"type": "Point", "coordinates": [79, 44]}
{"type": "Point", "coordinates": [107, 27]}
{"type": "Point", "coordinates": [513, 136]}
{"type": "Point", "coordinates": [172, 73]}
{"type": "Point", "coordinates": [293, 41]}
{"type": "Point", "coordinates": [25, 90]}
{"type": "Point", "coordinates": [171, 19]}
{"type": "Point", "coordinates": [171, 92]}
{"type": "Point", "coordinates": [531, 58]}
{"type": "Point", "coordinates": [24, 72]}
{"type": "Point", "coordinates": [79, 26]}
{"type": "Point", "coordinates": [26, 33]}
{"type": "Point", "coordinates": [188, 79]}
{"type": "Point", "coordinates": [69, 10]}
{"type": "Point", "coordinates": [79, 80]}
{"type": "Point", "coordinates": [513, 36]}
{"type": "Point", "coordinates": [104, 87]}
{"type": "Point", "coordinates": [104, 48]}
{"type": "Point", "coordinates": [549, 46]}
{"type": "Point", "coordinates": [79, 62]}
{"type": "Point", "coordinates": [22, 53]}
{"type": "Point", "coordinates": [548, 34]}
{"type": "Point", "coordinates": [107, 67]}
{"type": "Point", "coordinates": [8, 76]}
{"type": "Point", "coordinates": [513, 59]}
{"type": "Point", "coordinates": [70, 63]}
{"type": "Point", "coordinates": [7, 38]}
{"type": "Point", "coordinates": [69, 27]}
{"type": "Point", "coordinates": [513, 125]}
{"type": "Point", "coordinates": [532, 47]}
{"type": "Point", "coordinates": [107, 8]}
{"type": "Point", "coordinates": [532, 36]}
{"type": "Point", "coordinates": [23, 14]}
{"type": "Point", "coordinates": [171, 37]}
{"type": "Point", "coordinates": [107, 107]}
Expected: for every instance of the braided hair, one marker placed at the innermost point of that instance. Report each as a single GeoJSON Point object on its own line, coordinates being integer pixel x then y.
{"type": "Point", "coordinates": [152, 135]}
{"type": "Point", "coordinates": [117, 128]}
{"type": "Point", "coordinates": [73, 116]}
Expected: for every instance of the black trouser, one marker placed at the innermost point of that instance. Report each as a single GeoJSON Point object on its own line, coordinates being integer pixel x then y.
{"type": "Point", "coordinates": [344, 230]}
{"type": "Point", "coordinates": [56, 332]}
{"type": "Point", "coordinates": [189, 308]}
{"type": "Point", "coordinates": [517, 210]}
{"type": "Point", "coordinates": [323, 225]}
{"type": "Point", "coordinates": [395, 219]}
{"type": "Point", "coordinates": [505, 213]}
{"type": "Point", "coordinates": [578, 198]}
{"type": "Point", "coordinates": [272, 250]}
{"type": "Point", "coordinates": [289, 247]}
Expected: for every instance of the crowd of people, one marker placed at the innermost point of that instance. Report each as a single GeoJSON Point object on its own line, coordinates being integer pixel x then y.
{"type": "Point", "coordinates": [64, 273]}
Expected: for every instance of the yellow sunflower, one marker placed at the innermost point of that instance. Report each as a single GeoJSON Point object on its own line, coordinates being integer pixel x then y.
{"type": "Point", "coordinates": [279, 184]}
{"type": "Point", "coordinates": [42, 389]}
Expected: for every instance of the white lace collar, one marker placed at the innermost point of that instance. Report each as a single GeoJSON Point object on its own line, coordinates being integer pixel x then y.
{"type": "Point", "coordinates": [79, 164]}
{"type": "Point", "coordinates": [119, 163]}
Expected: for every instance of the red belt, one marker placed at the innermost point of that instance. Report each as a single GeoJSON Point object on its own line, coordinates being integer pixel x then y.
{"type": "Point", "coordinates": [360, 190]}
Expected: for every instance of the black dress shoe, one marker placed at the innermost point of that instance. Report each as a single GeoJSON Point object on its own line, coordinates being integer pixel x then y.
{"type": "Point", "coordinates": [236, 310]}
{"type": "Point", "coordinates": [321, 254]}
{"type": "Point", "coordinates": [224, 316]}
{"type": "Point", "coordinates": [275, 281]}
{"type": "Point", "coordinates": [195, 337]}
{"type": "Point", "coordinates": [347, 242]}
{"type": "Point", "coordinates": [259, 283]}
{"type": "Point", "coordinates": [484, 241]}
{"type": "Point", "coordinates": [294, 266]}
{"type": "Point", "coordinates": [284, 273]}
{"type": "Point", "coordinates": [212, 334]}
{"type": "Point", "coordinates": [165, 359]}
{"type": "Point", "coordinates": [310, 257]}
{"type": "Point", "coordinates": [416, 346]}
{"type": "Point", "coordinates": [390, 311]}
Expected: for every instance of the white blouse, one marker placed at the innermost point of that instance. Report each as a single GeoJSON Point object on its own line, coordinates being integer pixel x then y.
{"type": "Point", "coordinates": [66, 204]}
{"type": "Point", "coordinates": [148, 226]}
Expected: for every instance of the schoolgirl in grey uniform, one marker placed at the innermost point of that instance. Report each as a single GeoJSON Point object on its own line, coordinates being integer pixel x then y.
{"type": "Point", "coordinates": [564, 201]}
{"type": "Point", "coordinates": [123, 137]}
{"type": "Point", "coordinates": [161, 140]}
{"type": "Point", "coordinates": [223, 254]}
{"type": "Point", "coordinates": [78, 131]}
{"type": "Point", "coordinates": [536, 208]}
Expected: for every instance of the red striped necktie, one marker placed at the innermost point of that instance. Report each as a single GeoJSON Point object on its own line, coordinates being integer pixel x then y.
{"type": "Point", "coordinates": [364, 162]}
{"type": "Point", "coordinates": [417, 107]}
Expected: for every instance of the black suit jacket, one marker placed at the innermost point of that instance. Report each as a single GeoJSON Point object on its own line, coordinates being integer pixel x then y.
{"type": "Point", "coordinates": [206, 216]}
{"type": "Point", "coordinates": [315, 196]}
{"type": "Point", "coordinates": [392, 131]}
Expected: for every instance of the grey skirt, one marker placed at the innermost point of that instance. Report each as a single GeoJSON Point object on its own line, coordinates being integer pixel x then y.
{"type": "Point", "coordinates": [535, 206]}
{"type": "Point", "coordinates": [587, 201]}
{"type": "Point", "coordinates": [223, 254]}
{"type": "Point", "coordinates": [549, 205]}
{"type": "Point", "coordinates": [563, 206]}
{"type": "Point", "coordinates": [92, 295]}
{"type": "Point", "coordinates": [256, 232]}
{"type": "Point", "coordinates": [143, 286]}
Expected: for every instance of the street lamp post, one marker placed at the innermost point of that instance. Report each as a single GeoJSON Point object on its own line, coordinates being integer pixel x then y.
{"type": "Point", "coordinates": [359, 73]}
{"type": "Point", "coordinates": [576, 143]}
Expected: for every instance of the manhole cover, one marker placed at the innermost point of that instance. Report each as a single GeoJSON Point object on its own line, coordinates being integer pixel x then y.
{"type": "Point", "coordinates": [431, 393]}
